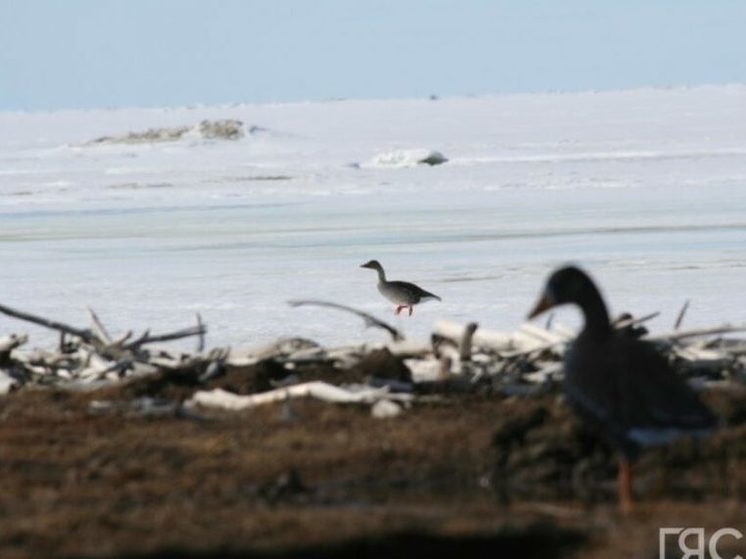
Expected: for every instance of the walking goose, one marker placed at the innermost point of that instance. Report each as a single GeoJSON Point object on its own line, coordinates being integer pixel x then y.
{"type": "Point", "coordinates": [402, 293]}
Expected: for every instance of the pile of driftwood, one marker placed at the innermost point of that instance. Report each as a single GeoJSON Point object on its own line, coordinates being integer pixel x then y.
{"type": "Point", "coordinates": [457, 358]}
{"type": "Point", "coordinates": [88, 356]}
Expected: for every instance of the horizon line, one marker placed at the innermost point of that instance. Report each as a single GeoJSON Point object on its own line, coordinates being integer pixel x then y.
{"type": "Point", "coordinates": [431, 97]}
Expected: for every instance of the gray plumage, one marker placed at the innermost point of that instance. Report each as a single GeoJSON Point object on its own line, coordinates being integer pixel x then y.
{"type": "Point", "coordinates": [402, 293]}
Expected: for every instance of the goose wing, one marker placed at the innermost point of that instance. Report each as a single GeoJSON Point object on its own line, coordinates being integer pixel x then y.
{"type": "Point", "coordinates": [628, 390]}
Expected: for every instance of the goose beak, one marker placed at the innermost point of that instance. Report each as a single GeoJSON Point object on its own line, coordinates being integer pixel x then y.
{"type": "Point", "coordinates": [545, 302]}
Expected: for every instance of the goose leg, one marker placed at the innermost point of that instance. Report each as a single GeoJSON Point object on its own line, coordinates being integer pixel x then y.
{"type": "Point", "coordinates": [410, 310]}
{"type": "Point", "coordinates": [399, 309]}
{"type": "Point", "coordinates": [625, 485]}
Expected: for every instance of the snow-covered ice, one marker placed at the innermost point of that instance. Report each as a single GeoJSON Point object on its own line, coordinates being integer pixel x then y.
{"type": "Point", "coordinates": [646, 188]}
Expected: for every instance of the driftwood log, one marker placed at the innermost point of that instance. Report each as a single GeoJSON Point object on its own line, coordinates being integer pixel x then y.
{"type": "Point", "coordinates": [369, 319]}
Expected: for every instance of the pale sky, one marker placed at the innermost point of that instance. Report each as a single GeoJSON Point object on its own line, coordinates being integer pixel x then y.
{"type": "Point", "coordinates": [107, 53]}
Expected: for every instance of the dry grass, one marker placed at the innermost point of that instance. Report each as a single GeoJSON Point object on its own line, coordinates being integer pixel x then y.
{"type": "Point", "coordinates": [472, 474]}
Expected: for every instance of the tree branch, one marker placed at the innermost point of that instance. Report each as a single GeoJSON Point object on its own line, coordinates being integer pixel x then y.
{"type": "Point", "coordinates": [369, 319]}
{"type": "Point", "coordinates": [84, 334]}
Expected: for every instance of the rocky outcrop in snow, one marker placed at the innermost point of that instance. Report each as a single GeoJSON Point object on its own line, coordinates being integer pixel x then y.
{"type": "Point", "coordinates": [225, 129]}
{"type": "Point", "coordinates": [408, 158]}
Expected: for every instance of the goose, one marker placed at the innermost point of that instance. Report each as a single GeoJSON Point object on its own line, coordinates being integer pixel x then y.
{"type": "Point", "coordinates": [621, 387]}
{"type": "Point", "coordinates": [402, 293]}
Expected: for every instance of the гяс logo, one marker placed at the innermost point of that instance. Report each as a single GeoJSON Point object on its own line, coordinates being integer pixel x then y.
{"type": "Point", "coordinates": [692, 543]}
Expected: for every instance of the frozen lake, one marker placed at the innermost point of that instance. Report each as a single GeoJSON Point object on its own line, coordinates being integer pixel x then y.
{"type": "Point", "coordinates": [645, 188]}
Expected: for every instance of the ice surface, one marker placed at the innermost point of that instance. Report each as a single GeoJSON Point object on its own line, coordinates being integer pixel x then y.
{"type": "Point", "coordinates": [646, 188]}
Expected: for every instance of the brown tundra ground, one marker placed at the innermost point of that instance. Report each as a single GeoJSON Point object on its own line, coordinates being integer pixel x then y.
{"type": "Point", "coordinates": [455, 475]}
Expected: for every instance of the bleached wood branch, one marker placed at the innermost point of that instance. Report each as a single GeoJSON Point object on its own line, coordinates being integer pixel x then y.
{"type": "Point", "coordinates": [683, 334]}
{"type": "Point", "coordinates": [84, 334]}
{"type": "Point", "coordinates": [680, 318]}
{"type": "Point", "coordinates": [201, 336]}
{"type": "Point", "coordinates": [146, 338]}
{"type": "Point", "coordinates": [320, 390]}
{"type": "Point", "coordinates": [465, 344]}
{"type": "Point", "coordinates": [490, 339]}
{"type": "Point", "coordinates": [632, 321]}
{"type": "Point", "coordinates": [119, 342]}
{"type": "Point", "coordinates": [369, 319]}
{"type": "Point", "coordinates": [98, 329]}
{"type": "Point", "coordinates": [9, 343]}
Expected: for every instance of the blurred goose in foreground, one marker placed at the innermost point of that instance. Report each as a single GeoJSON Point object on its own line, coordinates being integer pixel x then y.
{"type": "Point", "coordinates": [620, 386]}
{"type": "Point", "coordinates": [403, 294]}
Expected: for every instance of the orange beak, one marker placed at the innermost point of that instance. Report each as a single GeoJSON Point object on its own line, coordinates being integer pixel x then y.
{"type": "Point", "coordinates": [544, 303]}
